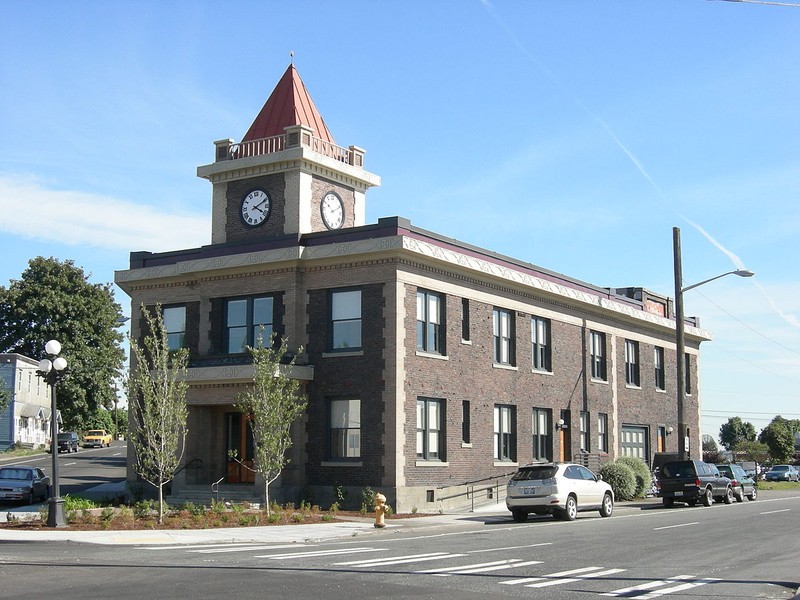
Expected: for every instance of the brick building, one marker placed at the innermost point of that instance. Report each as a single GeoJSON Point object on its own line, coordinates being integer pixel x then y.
{"type": "Point", "coordinates": [428, 363]}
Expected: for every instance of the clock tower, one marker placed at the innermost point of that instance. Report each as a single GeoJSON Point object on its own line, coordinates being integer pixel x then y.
{"type": "Point", "coordinates": [286, 176]}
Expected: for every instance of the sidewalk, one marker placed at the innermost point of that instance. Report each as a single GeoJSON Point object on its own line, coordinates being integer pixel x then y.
{"type": "Point", "coordinates": [283, 534]}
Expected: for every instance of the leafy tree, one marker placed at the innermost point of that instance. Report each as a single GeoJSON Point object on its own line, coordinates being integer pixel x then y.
{"type": "Point", "coordinates": [751, 451]}
{"type": "Point", "coordinates": [272, 404]}
{"type": "Point", "coordinates": [157, 394]}
{"type": "Point", "coordinates": [54, 300]}
{"type": "Point", "coordinates": [779, 438]}
{"type": "Point", "coordinates": [101, 419]}
{"type": "Point", "coordinates": [734, 431]}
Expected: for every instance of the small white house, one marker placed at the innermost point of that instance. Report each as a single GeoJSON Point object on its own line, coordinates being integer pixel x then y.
{"type": "Point", "coordinates": [27, 418]}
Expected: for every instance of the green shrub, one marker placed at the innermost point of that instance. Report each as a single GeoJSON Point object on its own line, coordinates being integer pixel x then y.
{"type": "Point", "coordinates": [640, 471]}
{"type": "Point", "coordinates": [327, 517]}
{"type": "Point", "coordinates": [78, 503]}
{"type": "Point", "coordinates": [144, 508]}
{"type": "Point", "coordinates": [621, 479]}
{"type": "Point", "coordinates": [335, 507]}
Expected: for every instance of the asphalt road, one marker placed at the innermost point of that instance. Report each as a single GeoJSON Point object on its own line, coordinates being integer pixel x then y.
{"type": "Point", "coordinates": [82, 470]}
{"type": "Point", "coordinates": [745, 550]}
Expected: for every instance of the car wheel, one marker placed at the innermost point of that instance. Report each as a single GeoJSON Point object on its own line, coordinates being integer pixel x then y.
{"type": "Point", "coordinates": [570, 510]}
{"type": "Point", "coordinates": [607, 507]}
{"type": "Point", "coordinates": [739, 495]}
{"type": "Point", "coordinates": [668, 502]}
{"type": "Point", "coordinates": [728, 497]}
{"type": "Point", "coordinates": [31, 498]}
{"type": "Point", "coordinates": [708, 499]}
{"type": "Point", "coordinates": [754, 494]}
{"type": "Point", "coordinates": [519, 515]}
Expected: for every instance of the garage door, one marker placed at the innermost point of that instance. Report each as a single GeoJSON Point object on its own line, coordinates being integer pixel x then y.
{"type": "Point", "coordinates": [634, 441]}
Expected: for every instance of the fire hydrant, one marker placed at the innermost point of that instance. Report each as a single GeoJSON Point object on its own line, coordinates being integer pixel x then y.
{"type": "Point", "coordinates": [380, 510]}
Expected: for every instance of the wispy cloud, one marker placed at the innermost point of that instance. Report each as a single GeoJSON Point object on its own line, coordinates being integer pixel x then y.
{"type": "Point", "coordinates": [31, 210]}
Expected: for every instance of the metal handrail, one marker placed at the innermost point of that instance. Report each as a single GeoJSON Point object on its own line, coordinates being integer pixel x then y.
{"type": "Point", "coordinates": [472, 490]}
{"type": "Point", "coordinates": [215, 488]}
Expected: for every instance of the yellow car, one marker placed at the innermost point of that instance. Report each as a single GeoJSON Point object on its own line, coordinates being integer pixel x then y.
{"type": "Point", "coordinates": [96, 437]}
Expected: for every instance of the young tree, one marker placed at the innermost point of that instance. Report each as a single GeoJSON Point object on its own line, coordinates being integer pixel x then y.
{"type": "Point", "coordinates": [734, 431]}
{"type": "Point", "coordinates": [157, 395]}
{"type": "Point", "coordinates": [751, 451]}
{"type": "Point", "coordinates": [271, 405]}
{"type": "Point", "coordinates": [54, 300]}
{"type": "Point", "coordinates": [5, 397]}
{"type": "Point", "coordinates": [779, 439]}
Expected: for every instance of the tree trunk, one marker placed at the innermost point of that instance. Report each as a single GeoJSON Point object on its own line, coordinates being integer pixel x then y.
{"type": "Point", "coordinates": [266, 498]}
{"type": "Point", "coordinates": [160, 503]}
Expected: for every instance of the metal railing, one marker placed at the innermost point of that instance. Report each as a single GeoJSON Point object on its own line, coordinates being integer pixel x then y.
{"type": "Point", "coordinates": [277, 143]}
{"type": "Point", "coordinates": [477, 489]}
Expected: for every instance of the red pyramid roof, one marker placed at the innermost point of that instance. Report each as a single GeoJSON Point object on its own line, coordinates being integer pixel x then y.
{"type": "Point", "coordinates": [289, 104]}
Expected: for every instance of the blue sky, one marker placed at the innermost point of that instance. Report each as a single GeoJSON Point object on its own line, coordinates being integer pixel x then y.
{"type": "Point", "coordinates": [573, 135]}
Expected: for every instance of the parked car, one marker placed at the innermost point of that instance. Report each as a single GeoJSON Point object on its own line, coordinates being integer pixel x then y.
{"type": "Point", "coordinates": [783, 473]}
{"type": "Point", "coordinates": [561, 489]}
{"type": "Point", "coordinates": [96, 437]}
{"type": "Point", "coordinates": [23, 483]}
{"type": "Point", "coordinates": [742, 483]}
{"type": "Point", "coordinates": [693, 481]}
{"type": "Point", "coordinates": [68, 441]}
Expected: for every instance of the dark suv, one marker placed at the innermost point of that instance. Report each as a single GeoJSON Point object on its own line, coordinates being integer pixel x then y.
{"type": "Point", "coordinates": [691, 481]}
{"type": "Point", "coordinates": [742, 484]}
{"type": "Point", "coordinates": [68, 441]}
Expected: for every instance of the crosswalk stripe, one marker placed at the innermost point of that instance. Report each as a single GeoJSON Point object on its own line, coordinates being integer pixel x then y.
{"type": "Point", "coordinates": [396, 560]}
{"type": "Point", "coordinates": [319, 553]}
{"type": "Point", "coordinates": [574, 579]}
{"type": "Point", "coordinates": [646, 586]}
{"type": "Point", "coordinates": [677, 588]}
{"type": "Point", "coordinates": [471, 569]}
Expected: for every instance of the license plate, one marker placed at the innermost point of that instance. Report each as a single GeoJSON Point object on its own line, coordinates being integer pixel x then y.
{"type": "Point", "coordinates": [679, 493]}
{"type": "Point", "coordinates": [528, 491]}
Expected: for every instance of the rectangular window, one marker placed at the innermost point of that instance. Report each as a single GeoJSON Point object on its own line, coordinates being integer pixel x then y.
{"type": "Point", "coordinates": [658, 362]}
{"type": "Point", "coordinates": [602, 432]}
{"type": "Point", "coordinates": [430, 437]}
{"type": "Point", "coordinates": [632, 363]}
{"type": "Point", "coordinates": [345, 429]}
{"type": "Point", "coordinates": [661, 442]}
{"type": "Point", "coordinates": [584, 437]}
{"type": "Point", "coordinates": [175, 326]}
{"type": "Point", "coordinates": [465, 422]}
{"type": "Point", "coordinates": [244, 318]}
{"type": "Point", "coordinates": [430, 332]}
{"type": "Point", "coordinates": [687, 373]}
{"type": "Point", "coordinates": [345, 323]}
{"type": "Point", "coordinates": [465, 319]}
{"type": "Point", "coordinates": [540, 344]}
{"type": "Point", "coordinates": [597, 351]}
{"type": "Point", "coordinates": [505, 439]}
{"type": "Point", "coordinates": [542, 427]}
{"type": "Point", "coordinates": [503, 329]}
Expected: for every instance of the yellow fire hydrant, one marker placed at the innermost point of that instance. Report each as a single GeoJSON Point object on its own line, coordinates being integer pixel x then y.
{"type": "Point", "coordinates": [380, 510]}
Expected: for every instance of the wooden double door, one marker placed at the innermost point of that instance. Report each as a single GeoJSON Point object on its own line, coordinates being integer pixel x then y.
{"type": "Point", "coordinates": [238, 449]}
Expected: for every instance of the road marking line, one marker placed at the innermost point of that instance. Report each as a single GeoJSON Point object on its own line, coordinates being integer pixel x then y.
{"type": "Point", "coordinates": [319, 553]}
{"type": "Point", "coordinates": [510, 548]}
{"type": "Point", "coordinates": [574, 579]}
{"type": "Point", "coordinates": [674, 526]}
{"type": "Point", "coordinates": [646, 586]}
{"type": "Point", "coordinates": [178, 546]}
{"type": "Point", "coordinates": [520, 581]}
{"type": "Point", "coordinates": [396, 559]}
{"type": "Point", "coordinates": [241, 549]}
{"type": "Point", "coordinates": [471, 569]}
{"type": "Point", "coordinates": [772, 512]}
{"type": "Point", "coordinates": [677, 588]}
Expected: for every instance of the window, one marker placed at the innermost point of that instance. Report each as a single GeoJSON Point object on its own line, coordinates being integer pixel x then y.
{"type": "Point", "coordinates": [503, 328]}
{"type": "Point", "coordinates": [345, 428]}
{"type": "Point", "coordinates": [540, 344]}
{"type": "Point", "coordinates": [597, 342]}
{"type": "Point", "coordinates": [175, 326]}
{"type": "Point", "coordinates": [658, 362]}
{"type": "Point", "coordinates": [430, 437]}
{"type": "Point", "coordinates": [244, 318]}
{"type": "Point", "coordinates": [687, 373]}
{"type": "Point", "coordinates": [584, 433]}
{"type": "Point", "coordinates": [465, 319]}
{"type": "Point", "coordinates": [465, 422]}
{"type": "Point", "coordinates": [541, 426]}
{"type": "Point", "coordinates": [505, 442]}
{"type": "Point", "coordinates": [345, 320]}
{"type": "Point", "coordinates": [661, 441]}
{"type": "Point", "coordinates": [602, 432]}
{"type": "Point", "coordinates": [430, 333]}
{"type": "Point", "coordinates": [632, 363]}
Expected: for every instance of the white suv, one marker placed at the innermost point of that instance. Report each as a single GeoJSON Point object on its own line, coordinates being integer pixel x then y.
{"type": "Point", "coordinates": [560, 489]}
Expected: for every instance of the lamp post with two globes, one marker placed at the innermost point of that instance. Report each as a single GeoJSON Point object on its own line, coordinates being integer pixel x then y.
{"type": "Point", "coordinates": [53, 371]}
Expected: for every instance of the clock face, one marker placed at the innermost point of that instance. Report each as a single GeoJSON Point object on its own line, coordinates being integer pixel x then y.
{"type": "Point", "coordinates": [255, 208]}
{"type": "Point", "coordinates": [332, 209]}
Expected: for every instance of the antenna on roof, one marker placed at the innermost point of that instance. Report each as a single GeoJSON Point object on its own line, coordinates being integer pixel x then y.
{"type": "Point", "coordinates": [291, 57]}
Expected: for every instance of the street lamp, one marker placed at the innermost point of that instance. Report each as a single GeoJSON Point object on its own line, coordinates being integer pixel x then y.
{"type": "Point", "coordinates": [680, 351]}
{"type": "Point", "coordinates": [53, 372]}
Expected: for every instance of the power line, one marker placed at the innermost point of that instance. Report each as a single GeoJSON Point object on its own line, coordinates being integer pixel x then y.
{"type": "Point", "coordinates": [760, 2]}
